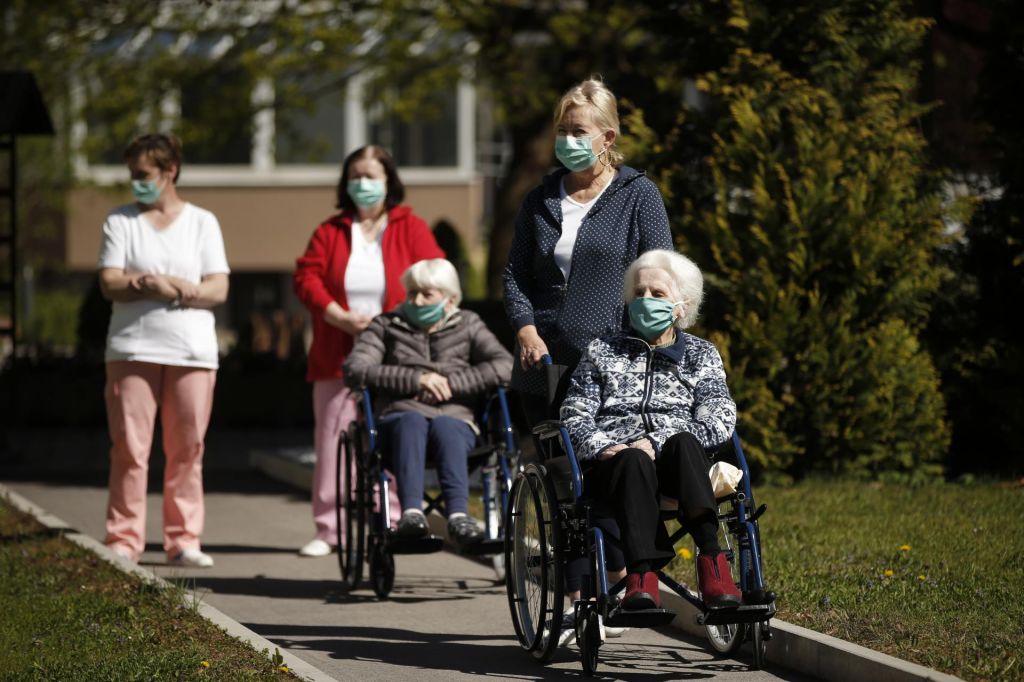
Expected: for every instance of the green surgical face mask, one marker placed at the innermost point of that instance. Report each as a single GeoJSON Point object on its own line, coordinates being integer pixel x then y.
{"type": "Point", "coordinates": [651, 316]}
{"type": "Point", "coordinates": [575, 153]}
{"type": "Point", "coordinates": [366, 192]}
{"type": "Point", "coordinates": [422, 316]}
{"type": "Point", "coordinates": [146, 191]}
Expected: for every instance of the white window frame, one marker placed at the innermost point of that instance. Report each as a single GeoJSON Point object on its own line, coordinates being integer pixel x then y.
{"type": "Point", "coordinates": [262, 170]}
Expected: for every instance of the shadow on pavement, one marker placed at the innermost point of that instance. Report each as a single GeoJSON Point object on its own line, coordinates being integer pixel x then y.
{"type": "Point", "coordinates": [413, 591]}
{"type": "Point", "coordinates": [226, 549]}
{"type": "Point", "coordinates": [462, 653]}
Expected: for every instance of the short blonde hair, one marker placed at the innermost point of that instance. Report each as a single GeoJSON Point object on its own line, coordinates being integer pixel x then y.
{"type": "Point", "coordinates": [600, 102]}
{"type": "Point", "coordinates": [436, 273]}
{"type": "Point", "coordinates": [686, 278]}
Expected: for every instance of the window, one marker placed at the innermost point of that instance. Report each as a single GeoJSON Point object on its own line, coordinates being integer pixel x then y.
{"type": "Point", "coordinates": [217, 117]}
{"type": "Point", "coordinates": [429, 139]}
{"type": "Point", "coordinates": [312, 135]}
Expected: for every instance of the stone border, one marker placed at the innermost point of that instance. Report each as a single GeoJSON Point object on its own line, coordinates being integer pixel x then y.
{"type": "Point", "coordinates": [296, 665]}
{"type": "Point", "coordinates": [812, 653]}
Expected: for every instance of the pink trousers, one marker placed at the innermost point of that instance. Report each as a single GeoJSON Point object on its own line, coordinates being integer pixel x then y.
{"type": "Point", "coordinates": [334, 409]}
{"type": "Point", "coordinates": [134, 393]}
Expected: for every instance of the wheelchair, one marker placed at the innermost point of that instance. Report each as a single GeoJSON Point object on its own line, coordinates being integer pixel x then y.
{"type": "Point", "coordinates": [550, 521]}
{"type": "Point", "coordinates": [368, 533]}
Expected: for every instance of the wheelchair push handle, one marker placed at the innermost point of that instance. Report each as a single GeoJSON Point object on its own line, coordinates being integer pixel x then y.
{"type": "Point", "coordinates": [545, 359]}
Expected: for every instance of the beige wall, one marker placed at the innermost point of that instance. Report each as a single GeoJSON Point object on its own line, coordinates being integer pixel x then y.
{"type": "Point", "coordinates": [265, 228]}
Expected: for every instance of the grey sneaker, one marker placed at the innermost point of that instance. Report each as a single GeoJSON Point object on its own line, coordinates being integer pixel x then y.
{"type": "Point", "coordinates": [413, 524]}
{"type": "Point", "coordinates": [568, 633]}
{"type": "Point", "coordinates": [463, 529]}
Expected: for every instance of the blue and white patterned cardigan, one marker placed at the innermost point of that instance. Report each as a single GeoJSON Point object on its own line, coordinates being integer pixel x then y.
{"type": "Point", "coordinates": [624, 390]}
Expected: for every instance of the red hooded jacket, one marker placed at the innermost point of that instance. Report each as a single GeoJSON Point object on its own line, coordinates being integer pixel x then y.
{"type": "Point", "coordinates": [320, 278]}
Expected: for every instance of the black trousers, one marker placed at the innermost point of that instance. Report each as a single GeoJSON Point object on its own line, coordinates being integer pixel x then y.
{"type": "Point", "coordinates": [630, 482]}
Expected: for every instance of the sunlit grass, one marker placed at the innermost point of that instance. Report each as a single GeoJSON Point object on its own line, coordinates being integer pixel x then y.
{"type": "Point", "coordinates": [934, 575]}
{"type": "Point", "coordinates": [69, 615]}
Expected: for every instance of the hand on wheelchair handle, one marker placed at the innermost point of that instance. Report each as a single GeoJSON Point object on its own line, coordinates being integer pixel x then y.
{"type": "Point", "coordinates": [531, 347]}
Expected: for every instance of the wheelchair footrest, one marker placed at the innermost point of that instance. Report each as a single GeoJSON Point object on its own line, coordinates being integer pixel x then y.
{"type": "Point", "coordinates": [496, 546]}
{"type": "Point", "coordinates": [425, 545]}
{"type": "Point", "coordinates": [746, 613]}
{"type": "Point", "coordinates": [646, 618]}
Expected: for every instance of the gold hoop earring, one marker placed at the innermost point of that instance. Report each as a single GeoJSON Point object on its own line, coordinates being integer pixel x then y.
{"type": "Point", "coordinates": [606, 161]}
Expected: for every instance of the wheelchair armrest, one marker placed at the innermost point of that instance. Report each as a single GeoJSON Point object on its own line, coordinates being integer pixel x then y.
{"type": "Point", "coordinates": [549, 428]}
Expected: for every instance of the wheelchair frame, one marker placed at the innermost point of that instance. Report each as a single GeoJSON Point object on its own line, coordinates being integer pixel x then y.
{"type": "Point", "coordinates": [542, 532]}
{"type": "Point", "coordinates": [368, 531]}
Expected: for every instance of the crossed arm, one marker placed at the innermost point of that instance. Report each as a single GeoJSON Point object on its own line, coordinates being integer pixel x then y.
{"type": "Point", "coordinates": [120, 286]}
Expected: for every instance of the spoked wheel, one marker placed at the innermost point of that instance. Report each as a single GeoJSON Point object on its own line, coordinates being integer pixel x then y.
{"type": "Point", "coordinates": [353, 497]}
{"type": "Point", "coordinates": [727, 637]}
{"type": "Point", "coordinates": [382, 569]}
{"type": "Point", "coordinates": [759, 638]}
{"type": "Point", "coordinates": [533, 563]}
{"type": "Point", "coordinates": [589, 637]}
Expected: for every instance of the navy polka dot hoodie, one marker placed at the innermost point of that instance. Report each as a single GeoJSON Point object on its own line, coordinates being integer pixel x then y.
{"type": "Point", "coordinates": [627, 220]}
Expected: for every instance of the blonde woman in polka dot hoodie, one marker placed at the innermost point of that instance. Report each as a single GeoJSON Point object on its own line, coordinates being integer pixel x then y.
{"type": "Point", "coordinates": [575, 236]}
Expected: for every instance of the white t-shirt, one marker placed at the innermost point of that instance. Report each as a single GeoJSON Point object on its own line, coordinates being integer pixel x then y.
{"type": "Point", "coordinates": [153, 331]}
{"type": "Point", "coordinates": [364, 274]}
{"type": "Point", "coordinates": [573, 214]}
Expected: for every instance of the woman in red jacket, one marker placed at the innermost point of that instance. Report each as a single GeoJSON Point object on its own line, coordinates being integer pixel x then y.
{"type": "Point", "coordinates": [350, 273]}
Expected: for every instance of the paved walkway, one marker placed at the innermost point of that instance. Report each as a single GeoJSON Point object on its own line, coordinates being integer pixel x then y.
{"type": "Point", "coordinates": [446, 619]}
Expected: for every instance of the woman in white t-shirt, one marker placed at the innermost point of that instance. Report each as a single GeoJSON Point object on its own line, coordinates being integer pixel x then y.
{"type": "Point", "coordinates": [162, 264]}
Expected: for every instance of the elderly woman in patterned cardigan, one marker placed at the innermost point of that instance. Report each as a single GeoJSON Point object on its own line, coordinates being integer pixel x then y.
{"type": "Point", "coordinates": [645, 406]}
{"type": "Point", "coordinates": [429, 362]}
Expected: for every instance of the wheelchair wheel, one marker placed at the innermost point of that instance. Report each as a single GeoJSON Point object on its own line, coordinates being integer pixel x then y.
{"type": "Point", "coordinates": [589, 637]}
{"type": "Point", "coordinates": [533, 563]}
{"type": "Point", "coordinates": [760, 641]}
{"type": "Point", "coordinates": [382, 569]}
{"type": "Point", "coordinates": [351, 552]}
{"type": "Point", "coordinates": [726, 638]}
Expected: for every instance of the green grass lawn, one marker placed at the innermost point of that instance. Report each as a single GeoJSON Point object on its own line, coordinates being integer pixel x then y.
{"type": "Point", "coordinates": [933, 575]}
{"type": "Point", "coordinates": [68, 615]}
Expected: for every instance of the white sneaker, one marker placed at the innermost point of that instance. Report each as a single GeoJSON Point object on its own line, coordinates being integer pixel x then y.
{"type": "Point", "coordinates": [609, 631]}
{"type": "Point", "coordinates": [315, 548]}
{"type": "Point", "coordinates": [192, 558]}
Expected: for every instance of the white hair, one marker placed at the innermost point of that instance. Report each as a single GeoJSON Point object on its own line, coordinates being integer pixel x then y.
{"type": "Point", "coordinates": [436, 273]}
{"type": "Point", "coordinates": [686, 280]}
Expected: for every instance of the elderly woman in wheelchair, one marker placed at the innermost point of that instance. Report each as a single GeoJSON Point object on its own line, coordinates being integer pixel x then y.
{"type": "Point", "coordinates": [643, 409]}
{"type": "Point", "coordinates": [428, 364]}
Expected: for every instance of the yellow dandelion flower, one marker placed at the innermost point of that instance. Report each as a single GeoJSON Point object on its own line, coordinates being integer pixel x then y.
{"type": "Point", "coordinates": [887, 573]}
{"type": "Point", "coordinates": [922, 578]}
{"type": "Point", "coordinates": [205, 664]}
{"type": "Point", "coordinates": [904, 548]}
{"type": "Point", "coordinates": [283, 668]}
{"type": "Point", "coordinates": [685, 554]}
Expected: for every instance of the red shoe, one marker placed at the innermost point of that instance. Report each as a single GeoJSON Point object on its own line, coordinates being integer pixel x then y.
{"type": "Point", "coordinates": [641, 592]}
{"type": "Point", "coordinates": [717, 588]}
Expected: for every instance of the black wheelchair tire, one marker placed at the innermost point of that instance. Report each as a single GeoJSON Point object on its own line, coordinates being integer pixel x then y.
{"type": "Point", "coordinates": [382, 570]}
{"type": "Point", "coordinates": [532, 519]}
{"type": "Point", "coordinates": [589, 638]}
{"type": "Point", "coordinates": [760, 644]}
{"type": "Point", "coordinates": [351, 552]}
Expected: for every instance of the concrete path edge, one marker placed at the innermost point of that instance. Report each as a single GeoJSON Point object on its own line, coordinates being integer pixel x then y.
{"type": "Point", "coordinates": [296, 665]}
{"type": "Point", "coordinates": [817, 655]}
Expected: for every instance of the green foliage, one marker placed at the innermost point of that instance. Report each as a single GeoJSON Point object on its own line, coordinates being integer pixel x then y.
{"type": "Point", "coordinates": [75, 616]}
{"type": "Point", "coordinates": [54, 319]}
{"type": "Point", "coordinates": [817, 227]}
